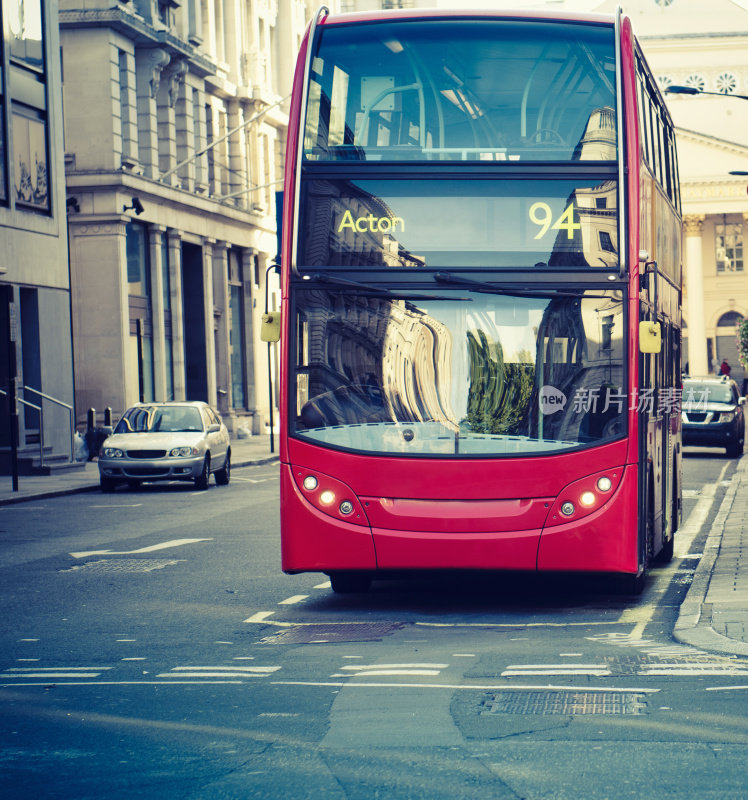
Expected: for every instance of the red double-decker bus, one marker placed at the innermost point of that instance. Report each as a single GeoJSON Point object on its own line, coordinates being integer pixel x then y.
{"type": "Point", "coordinates": [481, 286]}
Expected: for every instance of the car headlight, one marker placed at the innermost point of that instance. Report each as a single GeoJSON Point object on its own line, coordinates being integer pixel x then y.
{"type": "Point", "coordinates": [184, 452]}
{"type": "Point", "coordinates": [113, 452]}
{"type": "Point", "coordinates": [727, 416]}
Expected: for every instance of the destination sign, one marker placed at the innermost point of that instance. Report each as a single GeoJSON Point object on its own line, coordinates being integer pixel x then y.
{"type": "Point", "coordinates": [448, 224]}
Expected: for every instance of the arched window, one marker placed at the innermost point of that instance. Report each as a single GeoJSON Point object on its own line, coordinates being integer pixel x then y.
{"type": "Point", "coordinates": [729, 319]}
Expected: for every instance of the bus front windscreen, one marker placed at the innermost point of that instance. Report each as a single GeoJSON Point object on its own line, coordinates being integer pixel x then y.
{"type": "Point", "coordinates": [462, 90]}
{"type": "Point", "coordinates": [458, 372]}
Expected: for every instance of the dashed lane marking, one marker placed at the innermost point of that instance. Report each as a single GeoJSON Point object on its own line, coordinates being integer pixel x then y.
{"type": "Point", "coordinates": [149, 549]}
{"type": "Point", "coordinates": [219, 672]}
{"type": "Point", "coordinates": [377, 670]}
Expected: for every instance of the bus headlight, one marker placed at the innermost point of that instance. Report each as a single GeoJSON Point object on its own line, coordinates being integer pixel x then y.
{"type": "Point", "coordinates": [323, 493]}
{"type": "Point", "coordinates": [583, 497]}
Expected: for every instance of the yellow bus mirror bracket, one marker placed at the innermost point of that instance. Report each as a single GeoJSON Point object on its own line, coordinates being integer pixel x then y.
{"type": "Point", "coordinates": [270, 330]}
{"type": "Point", "coordinates": [650, 337]}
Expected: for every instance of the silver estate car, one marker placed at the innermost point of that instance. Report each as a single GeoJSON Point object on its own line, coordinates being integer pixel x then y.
{"type": "Point", "coordinates": [166, 442]}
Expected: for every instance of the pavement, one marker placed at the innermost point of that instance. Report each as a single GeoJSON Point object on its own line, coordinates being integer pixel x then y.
{"type": "Point", "coordinates": [713, 616]}
{"type": "Point", "coordinates": [254, 450]}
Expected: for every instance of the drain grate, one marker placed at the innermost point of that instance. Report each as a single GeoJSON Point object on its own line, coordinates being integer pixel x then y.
{"type": "Point", "coordinates": [564, 702]}
{"type": "Point", "coordinates": [327, 634]}
{"type": "Point", "coordinates": [115, 565]}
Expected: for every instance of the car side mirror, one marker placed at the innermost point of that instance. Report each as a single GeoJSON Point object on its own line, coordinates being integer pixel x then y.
{"type": "Point", "coordinates": [741, 401]}
{"type": "Point", "coordinates": [214, 428]}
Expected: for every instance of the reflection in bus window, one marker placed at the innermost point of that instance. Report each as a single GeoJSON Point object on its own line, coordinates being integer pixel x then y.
{"type": "Point", "coordinates": [504, 90]}
{"type": "Point", "coordinates": [494, 375]}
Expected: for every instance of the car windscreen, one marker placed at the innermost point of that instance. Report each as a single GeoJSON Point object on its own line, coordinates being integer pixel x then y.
{"type": "Point", "coordinates": [695, 393]}
{"type": "Point", "coordinates": [163, 419]}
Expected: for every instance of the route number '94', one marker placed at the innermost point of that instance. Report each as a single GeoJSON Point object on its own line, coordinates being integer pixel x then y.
{"type": "Point", "coordinates": [541, 214]}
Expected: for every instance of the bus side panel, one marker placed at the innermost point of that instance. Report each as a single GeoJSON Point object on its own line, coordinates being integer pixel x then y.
{"type": "Point", "coordinates": [312, 541]}
{"type": "Point", "coordinates": [606, 541]}
{"type": "Point", "coordinates": [430, 550]}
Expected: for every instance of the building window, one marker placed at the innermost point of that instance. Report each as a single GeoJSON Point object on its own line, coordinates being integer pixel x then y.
{"type": "Point", "coordinates": [728, 237]}
{"type": "Point", "coordinates": [28, 104]}
{"type": "Point", "coordinates": [30, 157]}
{"type": "Point", "coordinates": [606, 242]}
{"type": "Point", "coordinates": [137, 260]}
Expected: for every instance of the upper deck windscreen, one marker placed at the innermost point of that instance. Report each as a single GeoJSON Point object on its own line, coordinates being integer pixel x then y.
{"type": "Point", "coordinates": [469, 89]}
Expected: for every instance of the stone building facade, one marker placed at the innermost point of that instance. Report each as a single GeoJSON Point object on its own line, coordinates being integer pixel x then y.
{"type": "Point", "coordinates": [708, 51]}
{"type": "Point", "coordinates": [175, 130]}
{"type": "Point", "coordinates": [35, 342]}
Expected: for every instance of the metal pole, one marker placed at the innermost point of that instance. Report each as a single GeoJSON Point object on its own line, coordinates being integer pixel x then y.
{"type": "Point", "coordinates": [270, 361]}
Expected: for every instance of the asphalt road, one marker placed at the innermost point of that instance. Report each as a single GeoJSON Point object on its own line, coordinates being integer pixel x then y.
{"type": "Point", "coordinates": [150, 647]}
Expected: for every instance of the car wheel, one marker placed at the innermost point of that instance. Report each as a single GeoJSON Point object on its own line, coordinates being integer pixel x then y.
{"type": "Point", "coordinates": [203, 479]}
{"type": "Point", "coordinates": [107, 484]}
{"type": "Point", "coordinates": [734, 449]}
{"type": "Point", "coordinates": [223, 476]}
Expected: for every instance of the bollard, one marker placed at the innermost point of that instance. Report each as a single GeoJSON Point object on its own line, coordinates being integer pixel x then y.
{"type": "Point", "coordinates": [108, 417]}
{"type": "Point", "coordinates": [90, 419]}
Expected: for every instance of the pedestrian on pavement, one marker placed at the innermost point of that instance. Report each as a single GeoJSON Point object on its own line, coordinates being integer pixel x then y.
{"type": "Point", "coordinates": [725, 368]}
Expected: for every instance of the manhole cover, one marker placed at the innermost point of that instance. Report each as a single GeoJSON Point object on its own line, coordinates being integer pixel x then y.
{"type": "Point", "coordinates": [564, 702]}
{"type": "Point", "coordinates": [124, 565]}
{"type": "Point", "coordinates": [325, 634]}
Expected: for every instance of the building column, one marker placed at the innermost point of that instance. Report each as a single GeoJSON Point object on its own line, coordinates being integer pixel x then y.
{"type": "Point", "coordinates": [150, 63]}
{"type": "Point", "coordinates": [208, 313]}
{"type": "Point", "coordinates": [251, 297]}
{"type": "Point", "coordinates": [156, 234]}
{"type": "Point", "coordinates": [697, 355]}
{"type": "Point", "coordinates": [221, 300]}
{"type": "Point", "coordinates": [177, 315]}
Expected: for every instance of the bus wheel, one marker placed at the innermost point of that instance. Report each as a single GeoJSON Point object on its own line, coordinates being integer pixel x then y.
{"type": "Point", "coordinates": [630, 584]}
{"type": "Point", "coordinates": [350, 582]}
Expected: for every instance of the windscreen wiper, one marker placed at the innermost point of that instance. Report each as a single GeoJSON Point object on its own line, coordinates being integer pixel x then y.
{"type": "Point", "coordinates": [365, 288]}
{"type": "Point", "coordinates": [492, 288]}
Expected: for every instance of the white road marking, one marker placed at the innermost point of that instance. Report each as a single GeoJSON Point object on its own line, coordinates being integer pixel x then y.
{"type": "Point", "coordinates": [518, 670]}
{"type": "Point", "coordinates": [150, 549]}
{"type": "Point", "coordinates": [725, 688]}
{"type": "Point", "coordinates": [261, 616]}
{"type": "Point", "coordinates": [126, 683]}
{"type": "Point", "coordinates": [379, 672]}
{"type": "Point", "coordinates": [119, 505]}
{"type": "Point", "coordinates": [219, 672]}
{"type": "Point", "coordinates": [325, 585]}
{"type": "Point", "coordinates": [290, 601]}
{"type": "Point", "coordinates": [505, 687]}
{"type": "Point", "coordinates": [357, 667]}
{"type": "Point", "coordinates": [54, 672]}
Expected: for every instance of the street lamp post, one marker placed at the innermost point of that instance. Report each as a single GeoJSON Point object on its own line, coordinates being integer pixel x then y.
{"type": "Point", "coordinates": [674, 89]}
